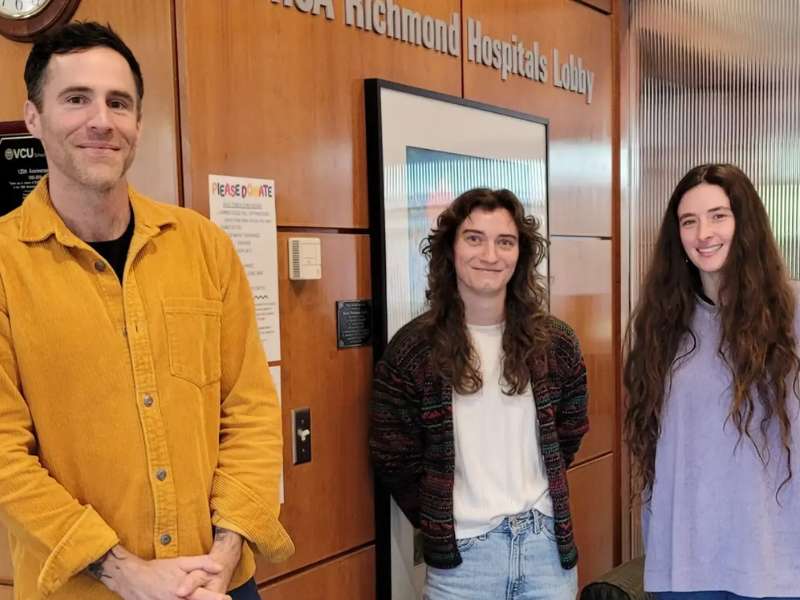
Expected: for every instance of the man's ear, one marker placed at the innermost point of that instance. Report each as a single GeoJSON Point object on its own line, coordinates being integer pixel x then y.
{"type": "Point", "coordinates": [32, 118]}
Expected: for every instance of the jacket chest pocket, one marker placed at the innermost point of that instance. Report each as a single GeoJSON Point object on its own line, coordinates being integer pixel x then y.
{"type": "Point", "coordinates": [193, 337]}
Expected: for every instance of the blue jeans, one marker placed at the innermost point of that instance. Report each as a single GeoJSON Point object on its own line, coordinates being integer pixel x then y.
{"type": "Point", "coordinates": [248, 591]}
{"type": "Point", "coordinates": [517, 560]}
{"type": "Point", "coordinates": [708, 596]}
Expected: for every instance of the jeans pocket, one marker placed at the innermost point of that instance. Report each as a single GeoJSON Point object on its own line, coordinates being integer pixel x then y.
{"type": "Point", "coordinates": [549, 528]}
{"type": "Point", "coordinates": [465, 544]}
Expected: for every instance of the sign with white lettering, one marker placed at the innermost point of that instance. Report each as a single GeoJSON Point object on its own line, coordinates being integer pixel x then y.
{"type": "Point", "coordinates": [512, 56]}
{"type": "Point", "coordinates": [353, 323]}
{"type": "Point", "coordinates": [22, 164]}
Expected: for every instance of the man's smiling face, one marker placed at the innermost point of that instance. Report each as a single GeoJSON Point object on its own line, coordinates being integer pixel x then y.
{"type": "Point", "coordinates": [89, 119]}
{"type": "Point", "coordinates": [485, 252]}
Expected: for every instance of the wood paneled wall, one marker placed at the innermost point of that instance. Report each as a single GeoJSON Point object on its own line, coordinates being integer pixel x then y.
{"type": "Point", "coordinates": [592, 501]}
{"type": "Point", "coordinates": [270, 91]}
{"type": "Point", "coordinates": [581, 294]}
{"type": "Point", "coordinates": [147, 27]}
{"type": "Point", "coordinates": [329, 507]}
{"type": "Point", "coordinates": [253, 88]}
{"type": "Point", "coordinates": [6, 573]}
{"type": "Point", "coordinates": [12, 58]}
{"type": "Point", "coordinates": [351, 577]}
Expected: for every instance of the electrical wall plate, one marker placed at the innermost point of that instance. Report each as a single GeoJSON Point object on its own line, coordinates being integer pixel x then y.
{"type": "Point", "coordinates": [301, 440]}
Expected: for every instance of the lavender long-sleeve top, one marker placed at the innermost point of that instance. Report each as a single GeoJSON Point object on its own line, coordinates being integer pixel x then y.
{"type": "Point", "coordinates": [714, 522]}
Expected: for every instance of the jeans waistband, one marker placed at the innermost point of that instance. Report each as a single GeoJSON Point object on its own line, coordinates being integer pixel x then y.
{"type": "Point", "coordinates": [530, 520]}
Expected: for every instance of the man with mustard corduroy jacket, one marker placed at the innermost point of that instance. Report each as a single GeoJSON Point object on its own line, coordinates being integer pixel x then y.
{"type": "Point", "coordinates": [140, 432]}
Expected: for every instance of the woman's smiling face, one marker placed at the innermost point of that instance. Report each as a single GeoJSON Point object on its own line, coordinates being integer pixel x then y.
{"type": "Point", "coordinates": [707, 225]}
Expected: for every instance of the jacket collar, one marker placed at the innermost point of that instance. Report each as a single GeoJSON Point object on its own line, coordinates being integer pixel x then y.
{"type": "Point", "coordinates": [39, 219]}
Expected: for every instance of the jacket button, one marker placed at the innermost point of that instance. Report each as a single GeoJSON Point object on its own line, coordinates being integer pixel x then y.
{"type": "Point", "coordinates": [147, 400]}
{"type": "Point", "coordinates": [161, 474]}
{"type": "Point", "coordinates": [165, 539]}
{"type": "Point", "coordinates": [99, 265]}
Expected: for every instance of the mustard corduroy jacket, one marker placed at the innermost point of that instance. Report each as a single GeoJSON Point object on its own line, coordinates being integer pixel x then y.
{"type": "Point", "coordinates": [140, 413]}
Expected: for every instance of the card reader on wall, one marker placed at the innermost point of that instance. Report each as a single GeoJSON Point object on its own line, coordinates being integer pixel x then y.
{"type": "Point", "coordinates": [305, 258]}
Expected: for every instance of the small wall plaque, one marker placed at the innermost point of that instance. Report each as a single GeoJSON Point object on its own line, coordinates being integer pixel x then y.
{"type": "Point", "coordinates": [353, 323]}
{"type": "Point", "coordinates": [22, 164]}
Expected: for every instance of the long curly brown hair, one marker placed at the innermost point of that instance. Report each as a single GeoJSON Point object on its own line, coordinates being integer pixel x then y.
{"type": "Point", "coordinates": [525, 305]}
{"type": "Point", "coordinates": [756, 308]}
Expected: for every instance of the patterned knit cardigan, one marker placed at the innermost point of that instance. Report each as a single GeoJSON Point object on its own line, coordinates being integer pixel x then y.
{"type": "Point", "coordinates": [411, 434]}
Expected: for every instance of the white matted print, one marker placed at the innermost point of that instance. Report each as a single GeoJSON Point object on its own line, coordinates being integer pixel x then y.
{"type": "Point", "coordinates": [425, 149]}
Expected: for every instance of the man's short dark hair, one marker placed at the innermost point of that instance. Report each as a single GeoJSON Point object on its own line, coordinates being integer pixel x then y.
{"type": "Point", "coordinates": [75, 37]}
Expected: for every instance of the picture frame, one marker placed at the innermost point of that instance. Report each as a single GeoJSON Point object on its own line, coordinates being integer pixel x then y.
{"type": "Point", "coordinates": [423, 150]}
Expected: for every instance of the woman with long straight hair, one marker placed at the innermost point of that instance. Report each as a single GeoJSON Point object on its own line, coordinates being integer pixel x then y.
{"type": "Point", "coordinates": [713, 398]}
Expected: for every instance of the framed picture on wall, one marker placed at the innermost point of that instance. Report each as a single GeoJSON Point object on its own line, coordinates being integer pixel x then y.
{"type": "Point", "coordinates": [423, 150]}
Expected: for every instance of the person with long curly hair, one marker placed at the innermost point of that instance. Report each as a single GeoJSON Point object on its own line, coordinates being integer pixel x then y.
{"type": "Point", "coordinates": [479, 406]}
{"type": "Point", "coordinates": [712, 381]}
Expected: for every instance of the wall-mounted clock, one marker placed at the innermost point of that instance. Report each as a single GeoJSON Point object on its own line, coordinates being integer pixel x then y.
{"type": "Point", "coordinates": [23, 20]}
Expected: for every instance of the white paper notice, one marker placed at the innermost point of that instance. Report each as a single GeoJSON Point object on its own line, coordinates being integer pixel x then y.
{"type": "Point", "coordinates": [275, 372]}
{"type": "Point", "coordinates": [245, 208]}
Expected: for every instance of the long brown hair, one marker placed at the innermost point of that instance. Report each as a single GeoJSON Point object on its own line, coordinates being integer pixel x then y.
{"type": "Point", "coordinates": [525, 305]}
{"type": "Point", "coordinates": [756, 311]}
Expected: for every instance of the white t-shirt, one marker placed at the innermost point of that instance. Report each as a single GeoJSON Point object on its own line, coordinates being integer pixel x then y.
{"type": "Point", "coordinates": [499, 470]}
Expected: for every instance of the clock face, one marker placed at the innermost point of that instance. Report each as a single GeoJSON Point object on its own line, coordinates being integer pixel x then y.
{"type": "Point", "coordinates": [21, 9]}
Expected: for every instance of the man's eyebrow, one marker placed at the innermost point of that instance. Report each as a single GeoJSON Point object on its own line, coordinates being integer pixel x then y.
{"type": "Point", "coordinates": [74, 88]}
{"type": "Point", "coordinates": [463, 231]}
